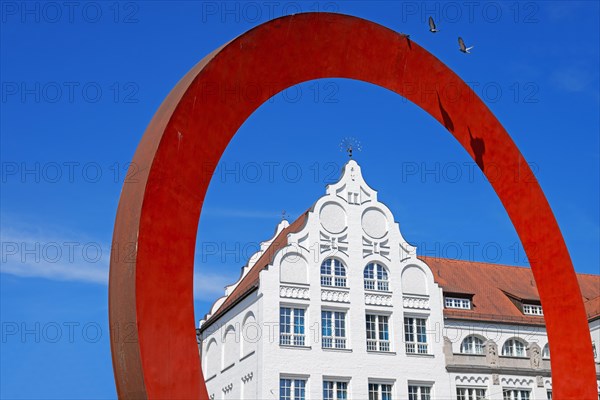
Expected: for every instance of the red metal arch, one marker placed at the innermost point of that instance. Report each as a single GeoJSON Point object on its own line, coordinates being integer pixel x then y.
{"type": "Point", "coordinates": [150, 297]}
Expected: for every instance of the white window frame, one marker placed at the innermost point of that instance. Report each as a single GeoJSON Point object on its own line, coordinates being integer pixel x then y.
{"type": "Point", "coordinates": [459, 303]}
{"type": "Point", "coordinates": [416, 391]}
{"type": "Point", "coordinates": [514, 348]}
{"type": "Point", "coordinates": [334, 341]}
{"type": "Point", "coordinates": [335, 277]}
{"type": "Point", "coordinates": [376, 283]}
{"type": "Point", "coordinates": [470, 393]}
{"type": "Point", "coordinates": [339, 386]}
{"type": "Point", "coordinates": [533, 309]}
{"type": "Point", "coordinates": [516, 394]}
{"type": "Point", "coordinates": [376, 390]}
{"type": "Point", "coordinates": [378, 344]}
{"type": "Point", "coordinates": [472, 344]}
{"type": "Point", "coordinates": [294, 339]}
{"type": "Point", "coordinates": [294, 382]}
{"type": "Point", "coordinates": [415, 346]}
{"type": "Point", "coordinates": [546, 352]}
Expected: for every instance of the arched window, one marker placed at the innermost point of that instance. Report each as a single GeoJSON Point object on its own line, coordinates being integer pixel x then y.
{"type": "Point", "coordinates": [514, 348]}
{"type": "Point", "coordinates": [472, 345]}
{"type": "Point", "coordinates": [546, 351]}
{"type": "Point", "coordinates": [333, 273]}
{"type": "Point", "coordinates": [211, 363]}
{"type": "Point", "coordinates": [376, 277]}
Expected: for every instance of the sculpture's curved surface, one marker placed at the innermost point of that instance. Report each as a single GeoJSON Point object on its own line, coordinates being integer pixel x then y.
{"type": "Point", "coordinates": [150, 297]}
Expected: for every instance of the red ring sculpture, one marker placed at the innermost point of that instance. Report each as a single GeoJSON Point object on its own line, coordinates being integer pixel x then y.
{"type": "Point", "coordinates": [151, 308]}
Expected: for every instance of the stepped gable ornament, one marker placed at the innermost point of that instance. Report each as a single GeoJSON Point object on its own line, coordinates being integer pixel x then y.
{"type": "Point", "coordinates": [151, 288]}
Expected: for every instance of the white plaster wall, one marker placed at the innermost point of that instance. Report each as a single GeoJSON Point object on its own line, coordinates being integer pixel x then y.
{"type": "Point", "coordinates": [237, 352]}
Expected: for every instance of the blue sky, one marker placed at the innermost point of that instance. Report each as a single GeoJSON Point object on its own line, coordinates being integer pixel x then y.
{"type": "Point", "coordinates": [80, 84]}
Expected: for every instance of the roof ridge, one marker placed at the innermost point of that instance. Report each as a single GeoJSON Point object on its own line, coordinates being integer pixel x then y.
{"type": "Point", "coordinates": [490, 264]}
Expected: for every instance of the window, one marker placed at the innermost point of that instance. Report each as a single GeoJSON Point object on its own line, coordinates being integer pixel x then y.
{"type": "Point", "coordinates": [472, 345]}
{"type": "Point", "coordinates": [546, 351]}
{"type": "Point", "coordinates": [291, 326]}
{"type": "Point", "coordinates": [415, 335]}
{"type": "Point", "coordinates": [549, 394]}
{"type": "Point", "coordinates": [335, 390]}
{"type": "Point", "coordinates": [457, 302]}
{"type": "Point", "coordinates": [376, 277]}
{"type": "Point", "coordinates": [334, 329]}
{"type": "Point", "coordinates": [514, 348]}
{"type": "Point", "coordinates": [515, 394]}
{"type": "Point", "coordinates": [419, 392]}
{"type": "Point", "coordinates": [380, 391]}
{"type": "Point", "coordinates": [470, 394]}
{"type": "Point", "coordinates": [333, 273]}
{"type": "Point", "coordinates": [532, 309]}
{"type": "Point", "coordinates": [292, 389]}
{"type": "Point", "coordinates": [378, 333]}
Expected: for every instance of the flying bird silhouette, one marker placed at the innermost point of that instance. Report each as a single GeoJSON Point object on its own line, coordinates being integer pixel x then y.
{"type": "Point", "coordinates": [432, 27]}
{"type": "Point", "coordinates": [462, 47]}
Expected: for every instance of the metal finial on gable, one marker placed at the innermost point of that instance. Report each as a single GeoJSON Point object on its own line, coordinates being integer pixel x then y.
{"type": "Point", "coordinates": [349, 144]}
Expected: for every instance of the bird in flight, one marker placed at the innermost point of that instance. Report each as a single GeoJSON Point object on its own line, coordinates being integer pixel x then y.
{"type": "Point", "coordinates": [432, 27]}
{"type": "Point", "coordinates": [462, 47]}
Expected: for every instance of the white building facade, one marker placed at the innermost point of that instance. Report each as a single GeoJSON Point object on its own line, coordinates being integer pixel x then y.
{"type": "Point", "coordinates": [337, 305]}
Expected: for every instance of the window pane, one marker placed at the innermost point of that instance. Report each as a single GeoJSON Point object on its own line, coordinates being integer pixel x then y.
{"type": "Point", "coordinates": [299, 321]}
{"type": "Point", "coordinates": [342, 390]}
{"type": "Point", "coordinates": [299, 389]}
{"type": "Point", "coordinates": [340, 324]}
{"type": "Point", "coordinates": [383, 328]}
{"type": "Point", "coordinates": [285, 386]}
{"type": "Point", "coordinates": [383, 286]}
{"type": "Point", "coordinates": [386, 392]}
{"type": "Point", "coordinates": [421, 331]}
{"type": "Point", "coordinates": [519, 349]}
{"type": "Point", "coordinates": [408, 330]}
{"type": "Point", "coordinates": [413, 393]}
{"type": "Point", "coordinates": [373, 391]}
{"type": "Point", "coordinates": [327, 390]}
{"type": "Point", "coordinates": [326, 267]}
{"type": "Point", "coordinates": [339, 268]}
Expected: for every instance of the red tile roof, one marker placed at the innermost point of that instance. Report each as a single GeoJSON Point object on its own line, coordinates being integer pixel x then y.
{"type": "Point", "coordinates": [592, 308]}
{"type": "Point", "coordinates": [491, 285]}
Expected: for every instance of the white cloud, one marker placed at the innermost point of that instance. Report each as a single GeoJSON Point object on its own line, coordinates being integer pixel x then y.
{"type": "Point", "coordinates": [49, 254]}
{"type": "Point", "coordinates": [573, 79]}
{"type": "Point", "coordinates": [30, 253]}
{"type": "Point", "coordinates": [210, 286]}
